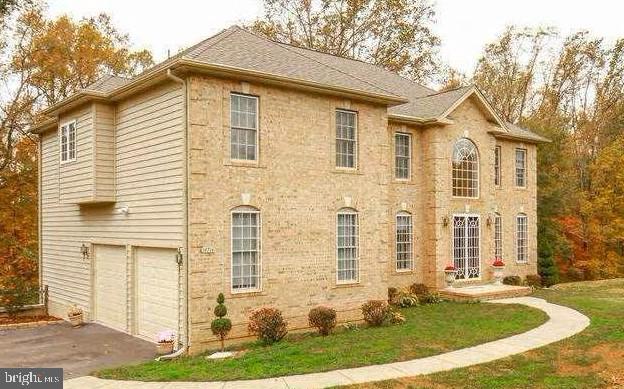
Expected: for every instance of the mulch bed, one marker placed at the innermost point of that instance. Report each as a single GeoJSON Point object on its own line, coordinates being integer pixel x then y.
{"type": "Point", "coordinates": [27, 321]}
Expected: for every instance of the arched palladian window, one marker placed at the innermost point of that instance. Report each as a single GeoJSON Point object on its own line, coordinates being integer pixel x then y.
{"type": "Point", "coordinates": [404, 238]}
{"type": "Point", "coordinates": [465, 169]}
{"type": "Point", "coordinates": [246, 265]}
{"type": "Point", "coordinates": [522, 238]}
{"type": "Point", "coordinates": [347, 245]}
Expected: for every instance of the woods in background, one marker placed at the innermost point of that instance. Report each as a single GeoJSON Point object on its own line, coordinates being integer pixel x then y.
{"type": "Point", "coordinates": [569, 89]}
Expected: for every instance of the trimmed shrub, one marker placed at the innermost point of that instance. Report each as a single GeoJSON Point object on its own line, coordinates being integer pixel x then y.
{"type": "Point", "coordinates": [267, 324]}
{"type": "Point", "coordinates": [392, 293]}
{"type": "Point", "coordinates": [512, 280]}
{"type": "Point", "coordinates": [533, 280]}
{"type": "Point", "coordinates": [221, 326]}
{"type": "Point", "coordinates": [431, 298]}
{"type": "Point", "coordinates": [418, 290]}
{"type": "Point", "coordinates": [322, 318]}
{"type": "Point", "coordinates": [375, 312]}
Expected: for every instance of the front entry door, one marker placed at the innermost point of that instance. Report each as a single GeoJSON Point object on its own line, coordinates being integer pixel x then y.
{"type": "Point", "coordinates": [466, 253]}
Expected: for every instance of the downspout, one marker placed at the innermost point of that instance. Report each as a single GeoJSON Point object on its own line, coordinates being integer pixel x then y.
{"type": "Point", "coordinates": [185, 261]}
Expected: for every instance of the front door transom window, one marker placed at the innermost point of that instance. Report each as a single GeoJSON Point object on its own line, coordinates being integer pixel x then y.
{"type": "Point", "coordinates": [466, 247]}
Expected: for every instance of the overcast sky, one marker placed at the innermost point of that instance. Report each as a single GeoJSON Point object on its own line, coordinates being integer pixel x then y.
{"type": "Point", "coordinates": [464, 26]}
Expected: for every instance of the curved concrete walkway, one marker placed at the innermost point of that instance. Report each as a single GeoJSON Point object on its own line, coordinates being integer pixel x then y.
{"type": "Point", "coordinates": [563, 323]}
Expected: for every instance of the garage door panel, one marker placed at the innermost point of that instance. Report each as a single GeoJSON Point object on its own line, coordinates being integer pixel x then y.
{"type": "Point", "coordinates": [111, 286]}
{"type": "Point", "coordinates": [157, 291]}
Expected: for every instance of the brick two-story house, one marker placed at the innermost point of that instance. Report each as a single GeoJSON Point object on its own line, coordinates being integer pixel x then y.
{"type": "Point", "coordinates": [279, 176]}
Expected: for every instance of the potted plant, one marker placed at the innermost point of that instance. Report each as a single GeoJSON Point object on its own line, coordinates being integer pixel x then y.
{"type": "Point", "coordinates": [449, 275]}
{"type": "Point", "coordinates": [75, 316]}
{"type": "Point", "coordinates": [165, 341]}
{"type": "Point", "coordinates": [499, 267]}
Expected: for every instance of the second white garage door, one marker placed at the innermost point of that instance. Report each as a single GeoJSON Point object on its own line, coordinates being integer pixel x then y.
{"type": "Point", "coordinates": [157, 291]}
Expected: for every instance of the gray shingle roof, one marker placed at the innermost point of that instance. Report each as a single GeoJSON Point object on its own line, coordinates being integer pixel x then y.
{"type": "Point", "coordinates": [238, 48]}
{"type": "Point", "coordinates": [521, 132]}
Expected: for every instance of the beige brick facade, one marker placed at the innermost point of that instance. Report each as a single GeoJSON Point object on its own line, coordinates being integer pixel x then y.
{"type": "Point", "coordinates": [298, 191]}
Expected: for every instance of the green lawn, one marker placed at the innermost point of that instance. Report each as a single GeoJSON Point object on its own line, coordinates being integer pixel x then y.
{"type": "Point", "coordinates": [592, 359]}
{"type": "Point", "coordinates": [429, 330]}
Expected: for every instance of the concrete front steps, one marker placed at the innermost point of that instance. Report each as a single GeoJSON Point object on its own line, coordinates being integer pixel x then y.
{"type": "Point", "coordinates": [484, 292]}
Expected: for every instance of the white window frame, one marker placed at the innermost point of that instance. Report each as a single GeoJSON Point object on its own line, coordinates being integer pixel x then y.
{"type": "Point", "coordinates": [409, 156]}
{"type": "Point", "coordinates": [355, 140]}
{"type": "Point", "coordinates": [257, 129]}
{"type": "Point", "coordinates": [498, 175]}
{"type": "Point", "coordinates": [65, 128]}
{"type": "Point", "coordinates": [477, 178]}
{"type": "Point", "coordinates": [246, 210]}
{"type": "Point", "coordinates": [524, 167]}
{"type": "Point", "coordinates": [526, 238]}
{"type": "Point", "coordinates": [410, 236]}
{"type": "Point", "coordinates": [498, 235]}
{"type": "Point", "coordinates": [348, 211]}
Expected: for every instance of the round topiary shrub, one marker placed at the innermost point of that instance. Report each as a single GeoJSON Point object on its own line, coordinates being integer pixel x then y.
{"type": "Point", "coordinates": [267, 324]}
{"type": "Point", "coordinates": [323, 318]}
{"type": "Point", "coordinates": [221, 326]}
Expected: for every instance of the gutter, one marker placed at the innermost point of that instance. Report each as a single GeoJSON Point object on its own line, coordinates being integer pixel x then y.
{"type": "Point", "coordinates": [185, 262]}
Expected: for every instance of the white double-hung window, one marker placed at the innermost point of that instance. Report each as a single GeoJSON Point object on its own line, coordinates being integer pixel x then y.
{"type": "Point", "coordinates": [243, 127]}
{"type": "Point", "coordinates": [402, 156]}
{"type": "Point", "coordinates": [346, 139]}
{"type": "Point", "coordinates": [404, 239]}
{"type": "Point", "coordinates": [245, 249]}
{"type": "Point", "coordinates": [347, 246]}
{"type": "Point", "coordinates": [521, 168]}
{"type": "Point", "coordinates": [522, 238]}
{"type": "Point", "coordinates": [67, 141]}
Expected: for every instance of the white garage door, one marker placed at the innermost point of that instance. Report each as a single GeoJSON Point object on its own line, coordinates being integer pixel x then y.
{"type": "Point", "coordinates": [111, 287]}
{"type": "Point", "coordinates": [157, 291]}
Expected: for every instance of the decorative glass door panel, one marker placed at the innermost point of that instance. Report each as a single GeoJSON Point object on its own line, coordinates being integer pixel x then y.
{"type": "Point", "coordinates": [466, 255]}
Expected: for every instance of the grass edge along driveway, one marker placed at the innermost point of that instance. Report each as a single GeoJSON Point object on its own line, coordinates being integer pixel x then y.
{"type": "Point", "coordinates": [429, 330]}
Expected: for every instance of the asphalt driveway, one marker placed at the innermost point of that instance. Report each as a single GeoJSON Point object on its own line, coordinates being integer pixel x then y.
{"type": "Point", "coordinates": [78, 351]}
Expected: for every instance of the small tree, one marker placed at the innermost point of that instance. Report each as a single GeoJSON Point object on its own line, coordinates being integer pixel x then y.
{"type": "Point", "coordinates": [546, 265]}
{"type": "Point", "coordinates": [221, 326]}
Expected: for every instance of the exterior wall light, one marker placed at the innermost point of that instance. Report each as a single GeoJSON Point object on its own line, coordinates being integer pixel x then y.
{"type": "Point", "coordinates": [84, 250]}
{"type": "Point", "coordinates": [445, 220]}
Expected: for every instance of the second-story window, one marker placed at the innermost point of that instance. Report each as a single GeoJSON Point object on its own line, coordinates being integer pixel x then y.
{"type": "Point", "coordinates": [402, 155]}
{"type": "Point", "coordinates": [346, 139]}
{"type": "Point", "coordinates": [497, 165]}
{"type": "Point", "coordinates": [465, 169]}
{"type": "Point", "coordinates": [521, 167]}
{"type": "Point", "coordinates": [243, 127]}
{"type": "Point", "coordinates": [67, 142]}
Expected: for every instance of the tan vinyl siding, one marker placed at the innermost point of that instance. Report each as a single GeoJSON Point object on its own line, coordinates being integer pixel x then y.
{"type": "Point", "coordinates": [104, 152]}
{"type": "Point", "coordinates": [76, 177]}
{"type": "Point", "coordinates": [148, 154]}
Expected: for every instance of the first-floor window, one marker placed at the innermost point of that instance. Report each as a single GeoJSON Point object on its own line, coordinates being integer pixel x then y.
{"type": "Point", "coordinates": [404, 236]}
{"type": "Point", "coordinates": [245, 249]}
{"type": "Point", "coordinates": [522, 238]}
{"type": "Point", "coordinates": [347, 246]}
{"type": "Point", "coordinates": [498, 236]}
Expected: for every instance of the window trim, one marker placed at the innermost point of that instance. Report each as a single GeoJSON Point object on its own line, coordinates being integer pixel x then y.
{"type": "Point", "coordinates": [250, 210]}
{"type": "Point", "coordinates": [349, 211]}
{"type": "Point", "coordinates": [409, 156]}
{"type": "Point", "coordinates": [257, 130]}
{"type": "Point", "coordinates": [356, 151]}
{"type": "Point", "coordinates": [498, 174]}
{"type": "Point", "coordinates": [396, 242]}
{"type": "Point", "coordinates": [524, 216]}
{"type": "Point", "coordinates": [60, 141]}
{"type": "Point", "coordinates": [478, 170]}
{"type": "Point", "coordinates": [525, 170]}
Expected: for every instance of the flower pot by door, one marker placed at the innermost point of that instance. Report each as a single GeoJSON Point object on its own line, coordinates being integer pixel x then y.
{"type": "Point", "coordinates": [76, 320]}
{"type": "Point", "coordinates": [498, 274]}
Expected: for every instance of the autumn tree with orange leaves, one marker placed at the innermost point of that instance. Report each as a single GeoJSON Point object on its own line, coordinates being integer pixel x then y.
{"type": "Point", "coordinates": [43, 61]}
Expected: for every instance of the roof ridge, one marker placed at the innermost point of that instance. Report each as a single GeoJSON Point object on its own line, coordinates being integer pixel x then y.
{"type": "Point", "coordinates": [320, 63]}
{"type": "Point", "coordinates": [225, 32]}
{"type": "Point", "coordinates": [444, 91]}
